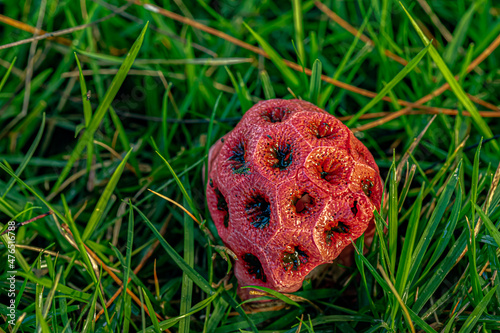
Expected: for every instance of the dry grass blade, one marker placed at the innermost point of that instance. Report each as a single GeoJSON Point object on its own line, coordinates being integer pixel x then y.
{"type": "Point", "coordinates": [435, 93]}
{"type": "Point", "coordinates": [115, 154]}
{"type": "Point", "coordinates": [177, 204]}
{"type": "Point", "coordinates": [63, 31]}
{"type": "Point", "coordinates": [28, 28]}
{"type": "Point", "coordinates": [257, 50]}
{"type": "Point", "coordinates": [400, 301]}
{"type": "Point", "coordinates": [340, 21]}
{"type": "Point", "coordinates": [115, 278]}
{"type": "Point", "coordinates": [483, 103]}
{"type": "Point", "coordinates": [442, 29]}
{"type": "Point", "coordinates": [144, 259]}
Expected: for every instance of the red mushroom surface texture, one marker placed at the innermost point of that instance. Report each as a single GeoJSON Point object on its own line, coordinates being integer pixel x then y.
{"type": "Point", "coordinates": [288, 189]}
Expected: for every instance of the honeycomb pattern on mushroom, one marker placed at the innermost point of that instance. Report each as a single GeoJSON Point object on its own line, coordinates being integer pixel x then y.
{"type": "Point", "coordinates": [288, 189]}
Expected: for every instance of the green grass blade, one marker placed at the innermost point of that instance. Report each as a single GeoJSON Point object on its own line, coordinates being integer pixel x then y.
{"type": "Point", "coordinates": [471, 321]}
{"type": "Point", "coordinates": [126, 274]}
{"type": "Point", "coordinates": [267, 85]}
{"type": "Point", "coordinates": [187, 283]}
{"type": "Point", "coordinates": [451, 51]}
{"type": "Point", "coordinates": [89, 322]}
{"type": "Point", "coordinates": [104, 199]}
{"type": "Point", "coordinates": [434, 220]}
{"type": "Point", "coordinates": [492, 229]}
{"type": "Point", "coordinates": [448, 229]}
{"type": "Point", "coordinates": [476, 285]}
{"type": "Point", "coordinates": [276, 294]}
{"type": "Point", "coordinates": [88, 135]}
{"type": "Point", "coordinates": [479, 122]}
{"type": "Point", "coordinates": [87, 108]}
{"type": "Point", "coordinates": [287, 73]}
{"type": "Point", "coordinates": [407, 252]}
{"type": "Point", "coordinates": [416, 318]}
{"type": "Point", "coordinates": [152, 312]}
{"type": "Point", "coordinates": [181, 186]}
{"type": "Point", "coordinates": [6, 75]}
{"type": "Point", "coordinates": [401, 75]}
{"type": "Point", "coordinates": [193, 275]}
{"type": "Point", "coordinates": [210, 134]}
{"type": "Point", "coordinates": [299, 30]}
{"type": "Point", "coordinates": [393, 216]}
{"type": "Point", "coordinates": [241, 91]}
{"type": "Point", "coordinates": [315, 86]}
{"type": "Point", "coordinates": [27, 157]}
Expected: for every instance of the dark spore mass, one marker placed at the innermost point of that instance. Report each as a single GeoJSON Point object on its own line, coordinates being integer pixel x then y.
{"type": "Point", "coordinates": [238, 159]}
{"type": "Point", "coordinates": [254, 266]}
{"type": "Point", "coordinates": [284, 156]}
{"type": "Point", "coordinates": [354, 208]}
{"type": "Point", "coordinates": [222, 206]}
{"type": "Point", "coordinates": [259, 211]}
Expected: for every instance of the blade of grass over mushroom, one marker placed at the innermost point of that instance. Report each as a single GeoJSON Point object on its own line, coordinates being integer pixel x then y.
{"type": "Point", "coordinates": [407, 69]}
{"type": "Point", "coordinates": [287, 73]}
{"type": "Point", "coordinates": [197, 307]}
{"type": "Point", "coordinates": [274, 293]}
{"type": "Point", "coordinates": [27, 157]}
{"type": "Point", "coordinates": [315, 86]}
{"type": "Point", "coordinates": [6, 75]}
{"type": "Point", "coordinates": [99, 114]}
{"type": "Point", "coordinates": [103, 200]}
{"type": "Point", "coordinates": [479, 122]}
{"type": "Point", "coordinates": [187, 283]}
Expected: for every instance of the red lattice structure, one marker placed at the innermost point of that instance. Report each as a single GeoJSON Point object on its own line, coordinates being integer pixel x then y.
{"type": "Point", "coordinates": [289, 187]}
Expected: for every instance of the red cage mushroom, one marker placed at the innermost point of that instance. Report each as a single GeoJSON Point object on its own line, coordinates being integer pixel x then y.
{"type": "Point", "coordinates": [288, 189]}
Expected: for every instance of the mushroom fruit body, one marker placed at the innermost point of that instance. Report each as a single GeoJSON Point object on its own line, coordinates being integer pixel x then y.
{"type": "Point", "coordinates": [288, 189]}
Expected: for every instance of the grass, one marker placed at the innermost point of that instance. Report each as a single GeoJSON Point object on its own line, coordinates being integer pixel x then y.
{"type": "Point", "coordinates": [131, 97]}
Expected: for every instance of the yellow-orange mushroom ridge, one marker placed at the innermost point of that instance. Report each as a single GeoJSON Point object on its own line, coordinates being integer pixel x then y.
{"type": "Point", "coordinates": [288, 189]}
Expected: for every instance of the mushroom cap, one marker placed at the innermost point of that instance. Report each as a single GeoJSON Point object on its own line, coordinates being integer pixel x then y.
{"type": "Point", "coordinates": [289, 188]}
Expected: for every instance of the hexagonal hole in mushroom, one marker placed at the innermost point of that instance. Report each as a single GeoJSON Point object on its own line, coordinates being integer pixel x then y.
{"type": "Point", "coordinates": [303, 203]}
{"type": "Point", "coordinates": [254, 267]}
{"type": "Point", "coordinates": [238, 158]}
{"type": "Point", "coordinates": [335, 227]}
{"type": "Point", "coordinates": [276, 114]}
{"type": "Point", "coordinates": [258, 210]}
{"type": "Point", "coordinates": [293, 258]}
